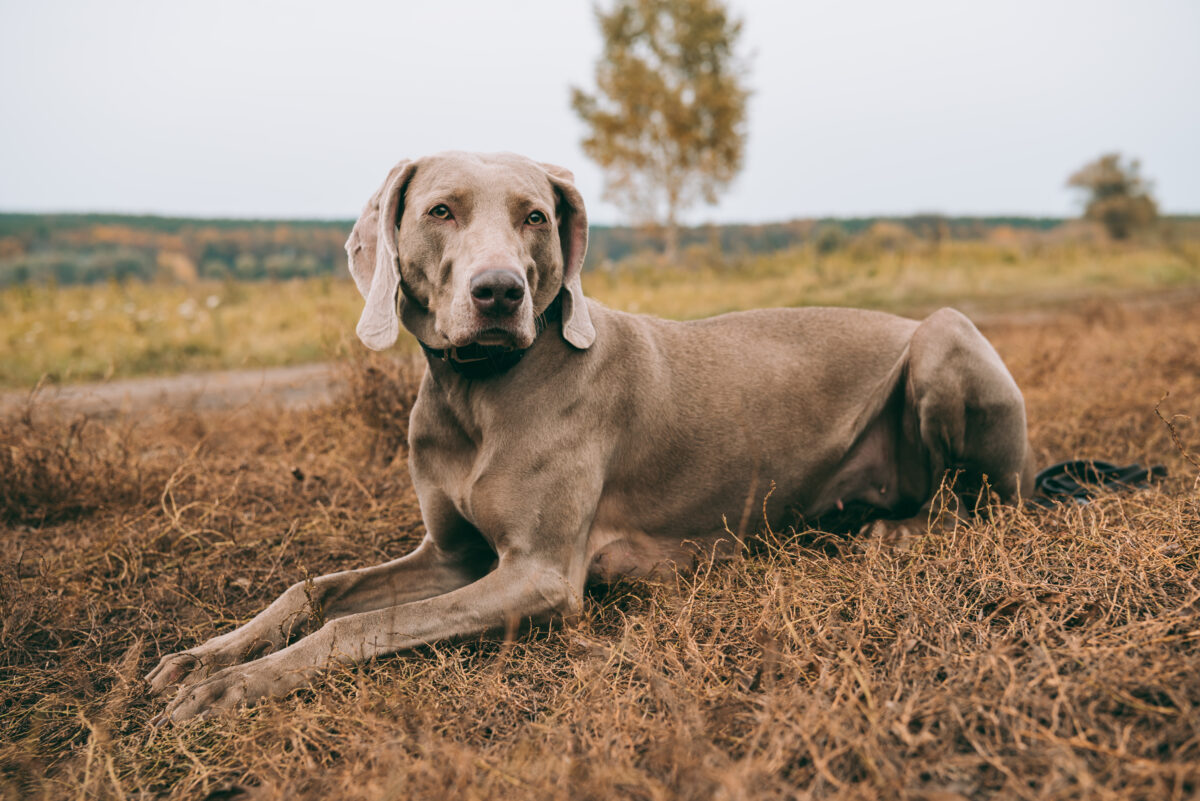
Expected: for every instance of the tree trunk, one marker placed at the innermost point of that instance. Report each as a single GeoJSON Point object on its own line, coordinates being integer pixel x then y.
{"type": "Point", "coordinates": [671, 243]}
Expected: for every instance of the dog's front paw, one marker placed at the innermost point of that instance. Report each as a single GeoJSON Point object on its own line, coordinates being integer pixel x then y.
{"type": "Point", "coordinates": [897, 535]}
{"type": "Point", "coordinates": [227, 689]}
{"type": "Point", "coordinates": [188, 667]}
{"type": "Point", "coordinates": [175, 669]}
{"type": "Point", "coordinates": [236, 686]}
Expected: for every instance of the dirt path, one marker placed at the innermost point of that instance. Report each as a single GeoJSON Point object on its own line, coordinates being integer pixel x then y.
{"type": "Point", "coordinates": [308, 384]}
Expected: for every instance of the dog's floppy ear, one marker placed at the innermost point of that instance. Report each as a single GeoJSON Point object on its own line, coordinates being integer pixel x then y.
{"type": "Point", "coordinates": [371, 250]}
{"type": "Point", "coordinates": [573, 234]}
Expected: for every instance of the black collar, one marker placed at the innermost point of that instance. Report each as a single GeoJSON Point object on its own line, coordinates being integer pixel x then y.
{"type": "Point", "coordinates": [484, 361]}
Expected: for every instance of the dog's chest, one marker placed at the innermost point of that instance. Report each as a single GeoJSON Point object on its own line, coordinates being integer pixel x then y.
{"type": "Point", "coordinates": [448, 465]}
{"type": "Point", "coordinates": [478, 478]}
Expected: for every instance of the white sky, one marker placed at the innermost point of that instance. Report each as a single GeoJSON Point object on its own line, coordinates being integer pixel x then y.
{"type": "Point", "coordinates": [297, 109]}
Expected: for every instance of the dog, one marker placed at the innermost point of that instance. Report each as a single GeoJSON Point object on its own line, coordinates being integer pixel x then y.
{"type": "Point", "coordinates": [555, 441]}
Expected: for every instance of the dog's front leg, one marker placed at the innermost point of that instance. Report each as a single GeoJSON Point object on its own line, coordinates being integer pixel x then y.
{"type": "Point", "coordinates": [520, 588]}
{"type": "Point", "coordinates": [426, 572]}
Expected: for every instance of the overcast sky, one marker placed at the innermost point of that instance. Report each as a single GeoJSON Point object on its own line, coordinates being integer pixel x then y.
{"type": "Point", "coordinates": [297, 109]}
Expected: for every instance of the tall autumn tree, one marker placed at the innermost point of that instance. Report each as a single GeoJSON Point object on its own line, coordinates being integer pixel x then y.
{"type": "Point", "coordinates": [1117, 196]}
{"type": "Point", "coordinates": [667, 121]}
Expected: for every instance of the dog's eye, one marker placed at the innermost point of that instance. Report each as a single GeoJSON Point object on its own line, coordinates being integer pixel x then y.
{"type": "Point", "coordinates": [535, 218]}
{"type": "Point", "coordinates": [441, 211]}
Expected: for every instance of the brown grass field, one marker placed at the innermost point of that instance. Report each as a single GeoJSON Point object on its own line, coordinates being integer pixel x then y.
{"type": "Point", "coordinates": [1024, 654]}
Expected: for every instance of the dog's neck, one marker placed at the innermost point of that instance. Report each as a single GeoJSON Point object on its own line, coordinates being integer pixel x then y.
{"type": "Point", "coordinates": [477, 362]}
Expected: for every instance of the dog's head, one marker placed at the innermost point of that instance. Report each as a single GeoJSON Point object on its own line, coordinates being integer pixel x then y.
{"type": "Point", "coordinates": [466, 248]}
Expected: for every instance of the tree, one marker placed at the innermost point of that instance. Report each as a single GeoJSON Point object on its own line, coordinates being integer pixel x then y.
{"type": "Point", "coordinates": [667, 122]}
{"type": "Point", "coordinates": [1117, 196]}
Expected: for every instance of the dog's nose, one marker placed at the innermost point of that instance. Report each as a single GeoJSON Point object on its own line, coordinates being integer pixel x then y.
{"type": "Point", "coordinates": [497, 292]}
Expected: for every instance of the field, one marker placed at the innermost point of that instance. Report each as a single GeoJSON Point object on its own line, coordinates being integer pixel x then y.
{"type": "Point", "coordinates": [88, 333]}
{"type": "Point", "coordinates": [1025, 654]}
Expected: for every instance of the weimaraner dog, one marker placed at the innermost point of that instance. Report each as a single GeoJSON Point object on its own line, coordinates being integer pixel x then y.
{"type": "Point", "coordinates": [556, 441]}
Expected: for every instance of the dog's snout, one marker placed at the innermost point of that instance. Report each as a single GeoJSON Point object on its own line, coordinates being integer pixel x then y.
{"type": "Point", "coordinates": [497, 292]}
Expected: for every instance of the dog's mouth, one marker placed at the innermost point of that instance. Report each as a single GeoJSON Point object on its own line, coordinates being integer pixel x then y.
{"type": "Point", "coordinates": [512, 333]}
{"type": "Point", "coordinates": [495, 337]}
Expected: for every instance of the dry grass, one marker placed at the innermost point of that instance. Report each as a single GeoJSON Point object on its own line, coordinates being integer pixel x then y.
{"type": "Point", "coordinates": [1037, 654]}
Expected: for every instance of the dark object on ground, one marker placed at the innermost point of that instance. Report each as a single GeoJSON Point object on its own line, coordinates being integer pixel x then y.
{"type": "Point", "coordinates": [1080, 480]}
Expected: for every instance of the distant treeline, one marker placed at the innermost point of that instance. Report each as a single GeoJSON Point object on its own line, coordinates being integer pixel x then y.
{"type": "Point", "coordinates": [86, 248]}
